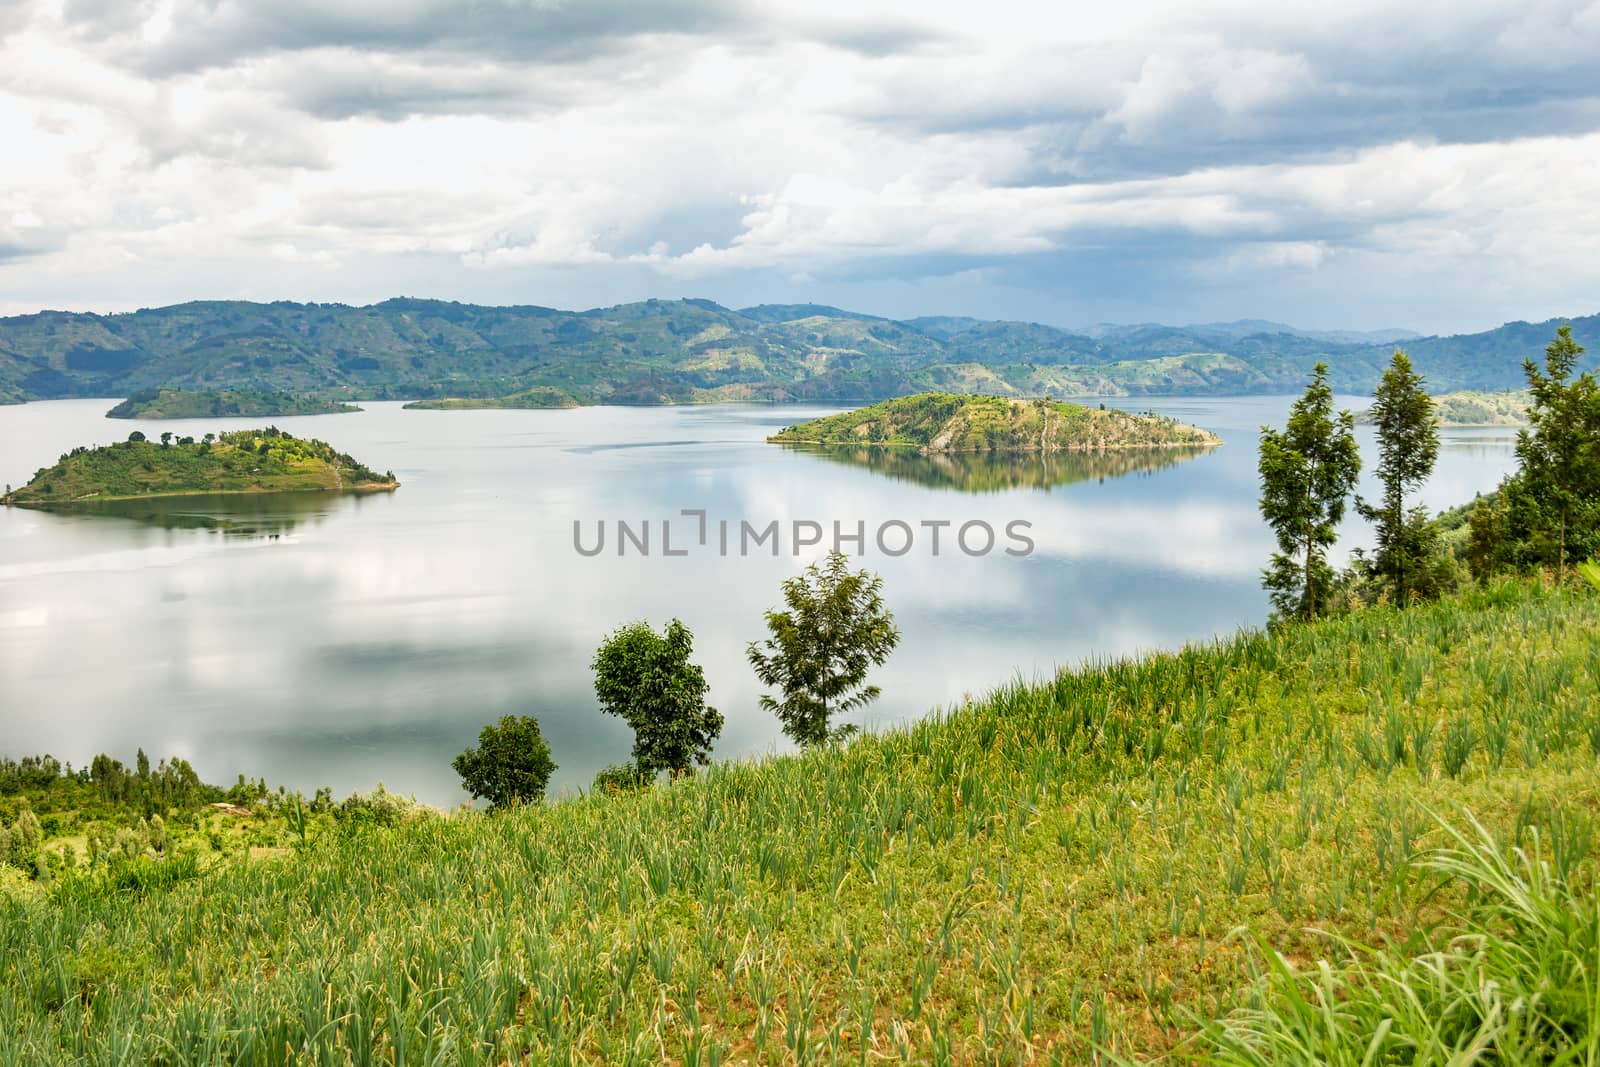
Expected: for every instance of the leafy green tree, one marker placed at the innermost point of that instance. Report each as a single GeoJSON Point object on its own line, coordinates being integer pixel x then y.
{"type": "Point", "coordinates": [645, 679]}
{"type": "Point", "coordinates": [1308, 471]}
{"type": "Point", "coordinates": [1408, 446]}
{"type": "Point", "coordinates": [166, 438]}
{"type": "Point", "coordinates": [136, 436]}
{"type": "Point", "coordinates": [511, 764]}
{"type": "Point", "coordinates": [820, 649]}
{"type": "Point", "coordinates": [1555, 496]}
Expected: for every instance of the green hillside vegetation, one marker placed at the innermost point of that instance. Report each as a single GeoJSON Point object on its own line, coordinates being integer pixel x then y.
{"type": "Point", "coordinates": [537, 397]}
{"type": "Point", "coordinates": [933, 423]}
{"type": "Point", "coordinates": [221, 403]}
{"type": "Point", "coordinates": [1057, 867]}
{"type": "Point", "coordinates": [689, 351]}
{"type": "Point", "coordinates": [1475, 408]}
{"type": "Point", "coordinates": [245, 461]}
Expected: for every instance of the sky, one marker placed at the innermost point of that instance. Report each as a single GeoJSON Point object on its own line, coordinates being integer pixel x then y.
{"type": "Point", "coordinates": [1361, 165]}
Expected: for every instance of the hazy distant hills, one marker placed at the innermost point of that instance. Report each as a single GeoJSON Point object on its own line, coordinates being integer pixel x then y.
{"type": "Point", "coordinates": [669, 351]}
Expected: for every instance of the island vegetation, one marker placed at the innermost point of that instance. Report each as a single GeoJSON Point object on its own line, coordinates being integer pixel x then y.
{"type": "Point", "coordinates": [221, 403]}
{"type": "Point", "coordinates": [540, 396]}
{"type": "Point", "coordinates": [1475, 408]}
{"type": "Point", "coordinates": [939, 423]}
{"type": "Point", "coordinates": [242, 461]}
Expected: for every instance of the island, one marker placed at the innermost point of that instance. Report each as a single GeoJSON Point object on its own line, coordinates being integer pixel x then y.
{"type": "Point", "coordinates": [221, 403]}
{"type": "Point", "coordinates": [245, 461]}
{"type": "Point", "coordinates": [540, 396]}
{"type": "Point", "coordinates": [936, 423]}
{"type": "Point", "coordinates": [1472, 407]}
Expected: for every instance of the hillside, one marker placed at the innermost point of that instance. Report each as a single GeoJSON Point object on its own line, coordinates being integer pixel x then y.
{"type": "Point", "coordinates": [221, 403]}
{"type": "Point", "coordinates": [537, 397]}
{"type": "Point", "coordinates": [696, 351]}
{"type": "Point", "coordinates": [246, 461]}
{"type": "Point", "coordinates": [1474, 408]}
{"type": "Point", "coordinates": [1055, 867]}
{"type": "Point", "coordinates": [933, 423]}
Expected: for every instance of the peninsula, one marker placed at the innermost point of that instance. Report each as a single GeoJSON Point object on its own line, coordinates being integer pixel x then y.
{"type": "Point", "coordinates": [221, 404]}
{"type": "Point", "coordinates": [246, 461]}
{"type": "Point", "coordinates": [932, 423]}
{"type": "Point", "coordinates": [540, 396]}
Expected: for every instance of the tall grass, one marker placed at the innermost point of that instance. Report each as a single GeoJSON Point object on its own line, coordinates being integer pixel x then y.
{"type": "Point", "coordinates": [1038, 876]}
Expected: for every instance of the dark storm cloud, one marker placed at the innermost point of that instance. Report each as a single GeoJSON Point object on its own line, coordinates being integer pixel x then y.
{"type": "Point", "coordinates": [222, 33]}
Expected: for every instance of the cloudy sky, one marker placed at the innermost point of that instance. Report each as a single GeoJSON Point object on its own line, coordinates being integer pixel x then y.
{"type": "Point", "coordinates": [1356, 164]}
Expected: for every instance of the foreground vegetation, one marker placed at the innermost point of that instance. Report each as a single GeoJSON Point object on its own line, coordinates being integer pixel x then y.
{"type": "Point", "coordinates": [246, 461]}
{"type": "Point", "coordinates": [221, 403]}
{"type": "Point", "coordinates": [937, 423]}
{"type": "Point", "coordinates": [1056, 868]}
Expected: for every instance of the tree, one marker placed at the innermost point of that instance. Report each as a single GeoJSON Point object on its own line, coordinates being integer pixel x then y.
{"type": "Point", "coordinates": [835, 629]}
{"type": "Point", "coordinates": [1408, 446]}
{"type": "Point", "coordinates": [645, 679]}
{"type": "Point", "coordinates": [166, 438]}
{"type": "Point", "coordinates": [1307, 473]}
{"type": "Point", "coordinates": [511, 764]}
{"type": "Point", "coordinates": [1556, 494]}
{"type": "Point", "coordinates": [136, 436]}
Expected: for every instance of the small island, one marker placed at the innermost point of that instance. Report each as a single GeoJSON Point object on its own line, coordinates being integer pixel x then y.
{"type": "Point", "coordinates": [935, 423]}
{"type": "Point", "coordinates": [246, 461]}
{"type": "Point", "coordinates": [540, 396]}
{"type": "Point", "coordinates": [221, 404]}
{"type": "Point", "coordinates": [1471, 407]}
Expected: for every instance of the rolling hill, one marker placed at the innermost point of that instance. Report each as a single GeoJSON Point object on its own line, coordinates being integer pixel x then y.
{"type": "Point", "coordinates": [691, 351]}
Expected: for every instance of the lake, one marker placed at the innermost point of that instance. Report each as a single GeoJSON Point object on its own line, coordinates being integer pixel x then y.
{"type": "Point", "coordinates": [342, 640]}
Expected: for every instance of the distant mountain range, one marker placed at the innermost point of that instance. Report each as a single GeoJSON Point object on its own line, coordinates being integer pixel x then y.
{"type": "Point", "coordinates": [678, 351]}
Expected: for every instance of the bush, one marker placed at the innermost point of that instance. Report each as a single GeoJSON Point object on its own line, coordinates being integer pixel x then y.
{"type": "Point", "coordinates": [620, 778]}
{"type": "Point", "coordinates": [511, 764]}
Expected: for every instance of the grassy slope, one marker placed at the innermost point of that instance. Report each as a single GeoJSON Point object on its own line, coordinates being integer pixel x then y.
{"type": "Point", "coordinates": [236, 463]}
{"type": "Point", "coordinates": [1475, 408]}
{"type": "Point", "coordinates": [221, 403]}
{"type": "Point", "coordinates": [944, 422]}
{"type": "Point", "coordinates": [1054, 865]}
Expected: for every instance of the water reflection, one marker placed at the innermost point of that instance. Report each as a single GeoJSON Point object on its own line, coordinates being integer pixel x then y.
{"type": "Point", "coordinates": [236, 516]}
{"type": "Point", "coordinates": [987, 472]}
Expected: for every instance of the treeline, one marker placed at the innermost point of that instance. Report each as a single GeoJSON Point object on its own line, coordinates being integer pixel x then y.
{"type": "Point", "coordinates": [1545, 516]}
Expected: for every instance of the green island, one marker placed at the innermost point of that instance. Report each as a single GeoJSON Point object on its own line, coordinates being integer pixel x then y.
{"type": "Point", "coordinates": [221, 403]}
{"type": "Point", "coordinates": [939, 423]}
{"type": "Point", "coordinates": [540, 396]}
{"type": "Point", "coordinates": [1054, 868]}
{"type": "Point", "coordinates": [1476, 408]}
{"type": "Point", "coordinates": [243, 461]}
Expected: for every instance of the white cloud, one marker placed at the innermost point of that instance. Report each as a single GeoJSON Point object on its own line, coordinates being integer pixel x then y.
{"type": "Point", "coordinates": [167, 149]}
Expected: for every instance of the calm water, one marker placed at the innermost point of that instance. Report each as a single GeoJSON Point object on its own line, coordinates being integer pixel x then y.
{"type": "Point", "coordinates": [342, 641]}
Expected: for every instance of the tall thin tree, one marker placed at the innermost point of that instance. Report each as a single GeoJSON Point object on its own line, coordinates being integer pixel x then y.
{"type": "Point", "coordinates": [1408, 447]}
{"type": "Point", "coordinates": [1308, 470]}
{"type": "Point", "coordinates": [1559, 452]}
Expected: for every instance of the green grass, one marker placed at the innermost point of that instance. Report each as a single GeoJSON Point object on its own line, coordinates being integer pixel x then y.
{"type": "Point", "coordinates": [1055, 869]}
{"type": "Point", "coordinates": [246, 461]}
